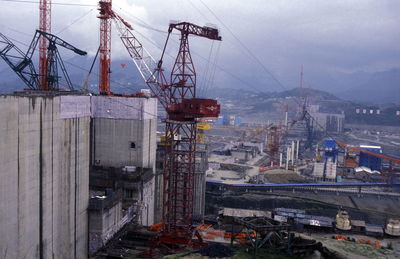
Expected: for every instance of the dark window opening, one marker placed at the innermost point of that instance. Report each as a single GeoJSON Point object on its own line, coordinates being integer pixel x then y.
{"type": "Point", "coordinates": [133, 145]}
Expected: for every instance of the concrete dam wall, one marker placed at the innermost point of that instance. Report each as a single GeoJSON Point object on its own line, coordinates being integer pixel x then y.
{"type": "Point", "coordinates": [44, 165]}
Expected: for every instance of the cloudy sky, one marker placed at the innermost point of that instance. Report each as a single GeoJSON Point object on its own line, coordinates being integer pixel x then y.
{"type": "Point", "coordinates": [262, 39]}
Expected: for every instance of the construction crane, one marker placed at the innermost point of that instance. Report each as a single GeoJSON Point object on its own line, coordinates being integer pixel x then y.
{"type": "Point", "coordinates": [22, 63]}
{"type": "Point", "coordinates": [44, 26]}
{"type": "Point", "coordinates": [178, 97]}
{"type": "Point", "coordinates": [105, 16]}
{"type": "Point", "coordinates": [274, 141]}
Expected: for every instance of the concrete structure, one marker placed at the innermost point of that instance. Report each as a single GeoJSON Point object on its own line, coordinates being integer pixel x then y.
{"type": "Point", "coordinates": [118, 196]}
{"type": "Point", "coordinates": [106, 217]}
{"type": "Point", "coordinates": [124, 131]}
{"type": "Point", "coordinates": [124, 134]}
{"type": "Point", "coordinates": [44, 158]}
{"type": "Point", "coordinates": [327, 122]}
{"type": "Point", "coordinates": [47, 144]}
{"type": "Point", "coordinates": [200, 184]}
{"type": "Point", "coordinates": [325, 170]}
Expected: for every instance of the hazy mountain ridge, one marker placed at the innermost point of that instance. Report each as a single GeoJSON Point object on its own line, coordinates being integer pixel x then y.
{"type": "Point", "coordinates": [378, 87]}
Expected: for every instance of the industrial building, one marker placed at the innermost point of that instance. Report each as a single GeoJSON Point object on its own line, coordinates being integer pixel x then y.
{"type": "Point", "coordinates": [327, 122]}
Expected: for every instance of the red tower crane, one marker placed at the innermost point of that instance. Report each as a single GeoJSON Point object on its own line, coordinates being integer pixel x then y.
{"type": "Point", "coordinates": [106, 13]}
{"type": "Point", "coordinates": [183, 111]}
{"type": "Point", "coordinates": [178, 97]}
{"type": "Point", "coordinates": [44, 26]}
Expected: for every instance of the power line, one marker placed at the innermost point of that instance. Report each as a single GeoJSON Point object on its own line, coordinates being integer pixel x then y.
{"type": "Point", "coordinates": [245, 48]}
{"type": "Point", "coordinates": [75, 21]}
{"type": "Point", "coordinates": [198, 10]}
{"type": "Point", "coordinates": [147, 26]}
{"type": "Point", "coordinates": [133, 107]}
{"type": "Point", "coordinates": [259, 62]}
{"type": "Point", "coordinates": [37, 2]}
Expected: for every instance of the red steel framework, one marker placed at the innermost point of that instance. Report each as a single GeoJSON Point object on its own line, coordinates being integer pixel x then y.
{"type": "Point", "coordinates": [106, 13]}
{"type": "Point", "coordinates": [274, 138]}
{"type": "Point", "coordinates": [45, 26]}
{"type": "Point", "coordinates": [180, 135]}
{"type": "Point", "coordinates": [178, 97]}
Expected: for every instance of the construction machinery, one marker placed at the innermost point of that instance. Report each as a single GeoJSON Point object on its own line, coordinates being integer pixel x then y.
{"type": "Point", "coordinates": [393, 227]}
{"type": "Point", "coordinates": [184, 109]}
{"type": "Point", "coordinates": [352, 151]}
{"type": "Point", "coordinates": [274, 140]}
{"type": "Point", "coordinates": [44, 26]}
{"type": "Point", "coordinates": [23, 66]}
{"type": "Point", "coordinates": [106, 13]}
{"type": "Point", "coordinates": [342, 220]}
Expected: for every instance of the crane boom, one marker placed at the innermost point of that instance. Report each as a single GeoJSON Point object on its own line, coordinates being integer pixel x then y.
{"type": "Point", "coordinates": [152, 75]}
{"type": "Point", "coordinates": [193, 29]}
{"type": "Point", "coordinates": [58, 41]}
{"type": "Point", "coordinates": [19, 62]}
{"type": "Point", "coordinates": [23, 66]}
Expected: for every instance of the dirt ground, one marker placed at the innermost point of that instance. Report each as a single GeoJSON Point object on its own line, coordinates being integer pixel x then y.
{"type": "Point", "coordinates": [348, 249]}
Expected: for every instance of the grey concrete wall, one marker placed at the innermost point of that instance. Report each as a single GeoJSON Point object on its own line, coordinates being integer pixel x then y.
{"type": "Point", "coordinates": [112, 140]}
{"type": "Point", "coordinates": [118, 122]}
{"type": "Point", "coordinates": [200, 184]}
{"type": "Point", "coordinates": [44, 180]}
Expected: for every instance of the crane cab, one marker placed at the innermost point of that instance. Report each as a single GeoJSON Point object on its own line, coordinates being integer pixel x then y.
{"type": "Point", "coordinates": [190, 109]}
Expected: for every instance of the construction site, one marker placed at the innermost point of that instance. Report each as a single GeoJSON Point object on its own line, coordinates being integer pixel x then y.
{"type": "Point", "coordinates": [165, 171]}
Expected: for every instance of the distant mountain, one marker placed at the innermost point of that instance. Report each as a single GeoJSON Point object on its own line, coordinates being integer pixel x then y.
{"type": "Point", "coordinates": [380, 87]}
{"type": "Point", "coordinates": [311, 93]}
{"type": "Point", "coordinates": [125, 77]}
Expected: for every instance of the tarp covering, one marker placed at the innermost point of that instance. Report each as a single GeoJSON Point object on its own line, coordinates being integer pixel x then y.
{"type": "Point", "coordinates": [108, 107]}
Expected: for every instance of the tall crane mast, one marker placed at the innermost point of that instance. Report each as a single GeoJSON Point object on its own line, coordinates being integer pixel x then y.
{"type": "Point", "coordinates": [106, 13]}
{"type": "Point", "coordinates": [44, 26]}
{"type": "Point", "coordinates": [178, 97]}
{"type": "Point", "coordinates": [183, 112]}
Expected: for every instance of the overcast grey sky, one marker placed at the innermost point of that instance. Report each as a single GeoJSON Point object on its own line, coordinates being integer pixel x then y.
{"type": "Point", "coordinates": [325, 36]}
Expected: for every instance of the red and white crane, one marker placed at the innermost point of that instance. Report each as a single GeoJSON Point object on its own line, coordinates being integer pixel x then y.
{"type": "Point", "coordinates": [178, 97]}
{"type": "Point", "coordinates": [44, 26]}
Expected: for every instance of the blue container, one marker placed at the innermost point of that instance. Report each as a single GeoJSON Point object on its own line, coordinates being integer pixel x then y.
{"type": "Point", "coordinates": [330, 149]}
{"type": "Point", "coordinates": [220, 121]}
{"type": "Point", "coordinates": [238, 121]}
{"type": "Point", "coordinates": [370, 161]}
{"type": "Point", "coordinates": [226, 119]}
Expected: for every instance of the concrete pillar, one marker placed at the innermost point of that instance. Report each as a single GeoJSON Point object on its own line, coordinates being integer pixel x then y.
{"type": "Point", "coordinates": [292, 155]}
